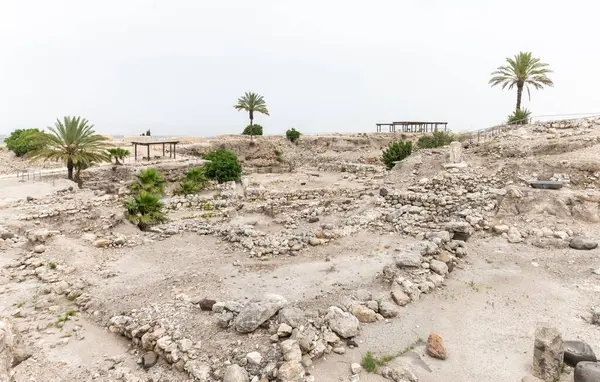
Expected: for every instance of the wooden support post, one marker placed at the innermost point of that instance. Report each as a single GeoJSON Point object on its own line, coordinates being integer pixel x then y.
{"type": "Point", "coordinates": [163, 149]}
{"type": "Point", "coordinates": [135, 151]}
{"type": "Point", "coordinates": [148, 147]}
{"type": "Point", "coordinates": [174, 150]}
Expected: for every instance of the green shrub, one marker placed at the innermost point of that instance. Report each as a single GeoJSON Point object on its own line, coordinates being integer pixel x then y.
{"type": "Point", "coordinates": [223, 166]}
{"type": "Point", "coordinates": [437, 139]}
{"type": "Point", "coordinates": [150, 181]}
{"type": "Point", "coordinates": [520, 117]}
{"type": "Point", "coordinates": [253, 130]}
{"type": "Point", "coordinates": [197, 176]}
{"type": "Point", "coordinates": [369, 363]}
{"type": "Point", "coordinates": [396, 151]}
{"type": "Point", "coordinates": [187, 187]}
{"type": "Point", "coordinates": [144, 210]}
{"type": "Point", "coordinates": [22, 142]}
{"type": "Point", "coordinates": [118, 154]}
{"type": "Point", "coordinates": [194, 182]}
{"type": "Point", "coordinates": [292, 135]}
{"type": "Point", "coordinates": [279, 156]}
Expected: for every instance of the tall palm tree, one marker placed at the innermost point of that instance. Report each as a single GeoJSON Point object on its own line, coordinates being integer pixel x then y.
{"type": "Point", "coordinates": [252, 102]}
{"type": "Point", "coordinates": [522, 71]}
{"type": "Point", "coordinates": [74, 141]}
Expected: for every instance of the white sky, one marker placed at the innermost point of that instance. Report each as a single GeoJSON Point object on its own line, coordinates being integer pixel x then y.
{"type": "Point", "coordinates": [178, 66]}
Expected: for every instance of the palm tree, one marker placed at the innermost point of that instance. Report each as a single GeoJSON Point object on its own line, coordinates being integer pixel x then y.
{"type": "Point", "coordinates": [522, 71]}
{"type": "Point", "coordinates": [118, 153]}
{"type": "Point", "coordinates": [73, 141]}
{"type": "Point", "coordinates": [252, 102]}
{"type": "Point", "coordinates": [150, 181]}
{"type": "Point", "coordinates": [145, 209]}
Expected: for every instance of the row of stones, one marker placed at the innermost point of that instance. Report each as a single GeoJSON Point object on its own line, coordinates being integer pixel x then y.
{"type": "Point", "coordinates": [303, 335]}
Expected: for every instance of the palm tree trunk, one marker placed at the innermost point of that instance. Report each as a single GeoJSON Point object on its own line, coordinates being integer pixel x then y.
{"type": "Point", "coordinates": [70, 169]}
{"type": "Point", "coordinates": [519, 94]}
{"type": "Point", "coordinates": [251, 126]}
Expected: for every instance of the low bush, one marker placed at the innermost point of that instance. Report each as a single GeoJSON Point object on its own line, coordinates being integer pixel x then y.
{"type": "Point", "coordinates": [194, 182]}
{"type": "Point", "coordinates": [519, 117]}
{"type": "Point", "coordinates": [22, 142]}
{"type": "Point", "coordinates": [144, 210]}
{"type": "Point", "coordinates": [292, 135]}
{"type": "Point", "coordinates": [396, 151]}
{"type": "Point", "coordinates": [150, 181]}
{"type": "Point", "coordinates": [223, 166]}
{"type": "Point", "coordinates": [253, 130]}
{"type": "Point", "coordinates": [118, 154]}
{"type": "Point", "coordinates": [437, 139]}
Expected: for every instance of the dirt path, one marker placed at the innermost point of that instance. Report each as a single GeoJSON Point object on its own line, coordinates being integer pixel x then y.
{"type": "Point", "coordinates": [487, 315]}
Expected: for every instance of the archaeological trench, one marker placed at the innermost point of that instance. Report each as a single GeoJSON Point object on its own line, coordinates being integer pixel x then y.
{"type": "Point", "coordinates": [297, 272]}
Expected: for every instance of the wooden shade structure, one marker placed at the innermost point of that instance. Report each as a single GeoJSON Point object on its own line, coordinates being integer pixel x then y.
{"type": "Point", "coordinates": [412, 127]}
{"type": "Point", "coordinates": [172, 148]}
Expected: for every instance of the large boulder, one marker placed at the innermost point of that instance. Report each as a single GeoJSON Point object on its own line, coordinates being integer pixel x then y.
{"type": "Point", "coordinates": [342, 323]}
{"type": "Point", "coordinates": [548, 353]}
{"type": "Point", "coordinates": [587, 372]}
{"type": "Point", "coordinates": [578, 351]}
{"type": "Point", "coordinates": [583, 243]}
{"type": "Point", "coordinates": [12, 349]}
{"type": "Point", "coordinates": [257, 311]}
{"type": "Point", "coordinates": [291, 316]}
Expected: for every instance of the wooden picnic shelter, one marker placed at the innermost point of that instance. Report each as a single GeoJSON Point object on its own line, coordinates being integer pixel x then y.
{"type": "Point", "coordinates": [172, 147]}
{"type": "Point", "coordinates": [412, 127]}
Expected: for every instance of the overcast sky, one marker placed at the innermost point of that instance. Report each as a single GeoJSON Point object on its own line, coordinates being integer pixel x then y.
{"type": "Point", "coordinates": [178, 66]}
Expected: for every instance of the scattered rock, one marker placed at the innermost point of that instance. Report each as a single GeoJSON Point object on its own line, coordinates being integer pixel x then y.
{"type": "Point", "coordinates": [547, 354]}
{"type": "Point", "coordinates": [101, 243]}
{"type": "Point", "coordinates": [198, 370]}
{"type": "Point", "coordinates": [257, 311]}
{"type": "Point", "coordinates": [291, 371]}
{"type": "Point", "coordinates": [235, 373]}
{"type": "Point", "coordinates": [284, 330]}
{"type": "Point", "coordinates": [363, 313]}
{"type": "Point", "coordinates": [291, 350]}
{"type": "Point", "coordinates": [224, 319]}
{"type": "Point", "coordinates": [206, 304]}
{"type": "Point", "coordinates": [39, 248]}
{"type": "Point", "coordinates": [387, 309]}
{"type": "Point", "coordinates": [149, 359]}
{"type": "Point", "coordinates": [514, 236]}
{"type": "Point", "coordinates": [578, 351]}
{"type": "Point", "coordinates": [408, 259]}
{"type": "Point", "coordinates": [363, 295]}
{"type": "Point", "coordinates": [587, 372]}
{"type": "Point", "coordinates": [439, 267]}
{"type": "Point", "coordinates": [400, 297]}
{"type": "Point", "coordinates": [355, 368]}
{"type": "Point", "coordinates": [292, 316]}
{"type": "Point", "coordinates": [583, 243]}
{"type": "Point", "coordinates": [254, 358]}
{"type": "Point", "coordinates": [398, 371]}
{"type": "Point", "coordinates": [435, 347]}
{"type": "Point", "coordinates": [342, 323]}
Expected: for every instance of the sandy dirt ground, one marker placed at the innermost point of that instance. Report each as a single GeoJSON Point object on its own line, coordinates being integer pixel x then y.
{"type": "Point", "coordinates": [486, 311]}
